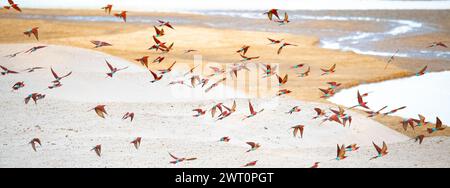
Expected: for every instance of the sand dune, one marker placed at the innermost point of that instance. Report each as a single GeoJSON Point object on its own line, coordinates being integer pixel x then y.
{"type": "Point", "coordinates": [165, 122]}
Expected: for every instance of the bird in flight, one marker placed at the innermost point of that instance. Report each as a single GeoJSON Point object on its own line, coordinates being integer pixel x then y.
{"type": "Point", "coordinates": [329, 71]}
{"type": "Point", "coordinates": [294, 109]}
{"type": "Point", "coordinates": [14, 5]}
{"type": "Point", "coordinates": [18, 85]}
{"type": "Point", "coordinates": [164, 23]}
{"type": "Point", "coordinates": [419, 138]}
{"type": "Point", "coordinates": [32, 69]}
{"type": "Point", "coordinates": [361, 102]}
{"type": "Point", "coordinates": [282, 81]}
{"type": "Point", "coordinates": [159, 32]}
{"type": "Point", "coordinates": [7, 71]}
{"type": "Point", "coordinates": [179, 160]}
{"type": "Point", "coordinates": [340, 153]}
{"type": "Point", "coordinates": [199, 111]}
{"type": "Point", "coordinates": [35, 97]}
{"type": "Point", "coordinates": [381, 151]}
{"type": "Point", "coordinates": [306, 73]}
{"type": "Point", "coordinates": [252, 111]}
{"type": "Point", "coordinates": [284, 45]}
{"type": "Point", "coordinates": [253, 163]}
{"type": "Point", "coordinates": [283, 92]}
{"type": "Point", "coordinates": [391, 58]}
{"type": "Point", "coordinates": [128, 115]}
{"type": "Point", "coordinates": [143, 60]}
{"type": "Point", "coordinates": [243, 50]}
{"type": "Point", "coordinates": [253, 146]}
{"type": "Point", "coordinates": [285, 20]}
{"type": "Point", "coordinates": [352, 147]}
{"type": "Point", "coordinates": [437, 44]}
{"type": "Point", "coordinates": [122, 15]}
{"type": "Point", "coordinates": [422, 71]}
{"type": "Point", "coordinates": [99, 44]}
{"type": "Point", "coordinates": [165, 71]}
{"type": "Point", "coordinates": [108, 8]}
{"type": "Point", "coordinates": [394, 110]}
{"type": "Point", "coordinates": [215, 84]}
{"type": "Point", "coordinates": [97, 149]}
{"type": "Point", "coordinates": [33, 49]}
{"type": "Point", "coordinates": [59, 78]}
{"type": "Point", "coordinates": [438, 126]}
{"type": "Point", "coordinates": [33, 31]}
{"type": "Point", "coordinates": [319, 113]}
{"type": "Point", "coordinates": [155, 76]}
{"type": "Point", "coordinates": [33, 143]}
{"type": "Point", "coordinates": [100, 110]}
{"type": "Point", "coordinates": [274, 41]}
{"type": "Point", "coordinates": [136, 142]}
{"type": "Point", "coordinates": [272, 12]}
{"type": "Point", "coordinates": [224, 139]}
{"type": "Point", "coordinates": [315, 165]}
{"type": "Point", "coordinates": [298, 129]}
{"type": "Point", "coordinates": [375, 113]}
{"type": "Point", "coordinates": [113, 69]}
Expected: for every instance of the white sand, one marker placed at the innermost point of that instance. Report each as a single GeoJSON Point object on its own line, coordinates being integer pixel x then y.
{"type": "Point", "coordinates": [165, 123]}
{"type": "Point", "coordinates": [427, 95]}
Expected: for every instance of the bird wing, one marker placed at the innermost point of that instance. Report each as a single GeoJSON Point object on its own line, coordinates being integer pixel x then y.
{"type": "Point", "coordinates": [54, 74]}
{"type": "Point", "coordinates": [109, 65]}
{"type": "Point", "coordinates": [377, 147]}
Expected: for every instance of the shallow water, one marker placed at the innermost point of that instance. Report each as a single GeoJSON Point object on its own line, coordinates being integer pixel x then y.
{"type": "Point", "coordinates": [428, 95]}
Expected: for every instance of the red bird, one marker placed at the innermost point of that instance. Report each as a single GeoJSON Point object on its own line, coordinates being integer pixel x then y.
{"type": "Point", "coordinates": [319, 112]}
{"type": "Point", "coordinates": [33, 143]}
{"type": "Point", "coordinates": [143, 61]}
{"type": "Point", "coordinates": [97, 149]}
{"type": "Point", "coordinates": [128, 115]}
{"type": "Point", "coordinates": [199, 111]}
{"type": "Point", "coordinates": [243, 50]}
{"type": "Point", "coordinates": [329, 71]}
{"type": "Point", "coordinates": [352, 147]}
{"type": "Point", "coordinates": [99, 44]}
{"type": "Point", "coordinates": [394, 110]}
{"type": "Point", "coordinates": [297, 66]}
{"type": "Point", "coordinates": [33, 31]}
{"type": "Point", "coordinates": [113, 69]}
{"type": "Point", "coordinates": [108, 8]}
{"type": "Point", "coordinates": [136, 142]}
{"type": "Point", "coordinates": [272, 12]}
{"type": "Point", "coordinates": [285, 20]}
{"type": "Point", "coordinates": [391, 58]}
{"type": "Point", "coordinates": [375, 113]}
{"type": "Point", "coordinates": [163, 23]}
{"type": "Point", "coordinates": [164, 71]}
{"type": "Point", "coordinates": [334, 118]}
{"type": "Point", "coordinates": [253, 146]}
{"type": "Point", "coordinates": [155, 76]}
{"type": "Point", "coordinates": [7, 71]}
{"type": "Point", "coordinates": [215, 85]}
{"type": "Point", "coordinates": [283, 92]}
{"type": "Point", "coordinates": [419, 138]}
{"type": "Point", "coordinates": [35, 97]}
{"type": "Point", "coordinates": [245, 58]}
{"type": "Point", "coordinates": [252, 111]}
{"type": "Point", "coordinates": [315, 165]}
{"type": "Point", "coordinates": [438, 126]}
{"type": "Point", "coordinates": [18, 85]}
{"type": "Point", "coordinates": [159, 33]}
{"type": "Point", "coordinates": [297, 129]}
{"type": "Point", "coordinates": [179, 160]}
{"type": "Point", "coordinates": [406, 122]}
{"type": "Point", "coordinates": [282, 81]}
{"type": "Point", "coordinates": [100, 110]}
{"type": "Point", "coordinates": [422, 71]}
{"type": "Point", "coordinates": [361, 102]}
{"type": "Point", "coordinates": [253, 163]}
{"type": "Point", "coordinates": [294, 109]}
{"type": "Point", "coordinates": [274, 41]}
{"type": "Point", "coordinates": [381, 151]}
{"type": "Point", "coordinates": [305, 74]}
{"type": "Point", "coordinates": [159, 59]}
{"type": "Point", "coordinates": [14, 5]}
{"type": "Point", "coordinates": [33, 49]}
{"type": "Point", "coordinates": [32, 69]}
{"type": "Point", "coordinates": [122, 15]}
{"type": "Point", "coordinates": [228, 111]}
{"type": "Point", "coordinates": [284, 45]}
{"type": "Point", "coordinates": [340, 153]}
{"type": "Point", "coordinates": [58, 78]}
{"type": "Point", "coordinates": [436, 44]}
{"type": "Point", "coordinates": [224, 139]}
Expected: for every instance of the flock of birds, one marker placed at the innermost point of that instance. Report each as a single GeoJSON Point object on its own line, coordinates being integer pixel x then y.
{"type": "Point", "coordinates": [223, 111]}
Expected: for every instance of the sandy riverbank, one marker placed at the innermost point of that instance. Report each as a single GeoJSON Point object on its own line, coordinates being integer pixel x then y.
{"type": "Point", "coordinates": [68, 131]}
